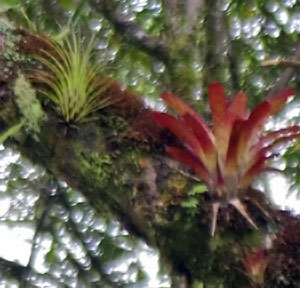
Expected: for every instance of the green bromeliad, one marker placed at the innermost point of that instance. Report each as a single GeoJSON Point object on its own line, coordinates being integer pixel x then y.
{"type": "Point", "coordinates": [231, 155]}
{"type": "Point", "coordinates": [73, 81]}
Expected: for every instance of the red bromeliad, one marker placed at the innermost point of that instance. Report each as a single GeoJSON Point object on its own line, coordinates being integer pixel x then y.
{"type": "Point", "coordinates": [256, 265]}
{"type": "Point", "coordinates": [228, 158]}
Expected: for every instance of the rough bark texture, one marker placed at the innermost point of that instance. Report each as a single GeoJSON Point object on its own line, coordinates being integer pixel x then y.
{"type": "Point", "coordinates": [119, 164]}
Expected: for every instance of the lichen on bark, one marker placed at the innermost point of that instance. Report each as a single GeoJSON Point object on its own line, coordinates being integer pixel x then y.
{"type": "Point", "coordinates": [29, 105]}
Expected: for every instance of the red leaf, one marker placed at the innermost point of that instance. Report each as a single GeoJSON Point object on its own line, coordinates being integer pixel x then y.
{"type": "Point", "coordinates": [266, 109]}
{"type": "Point", "coordinates": [233, 149]}
{"type": "Point", "coordinates": [257, 168]}
{"type": "Point", "coordinates": [222, 127]}
{"type": "Point", "coordinates": [257, 118]}
{"type": "Point", "coordinates": [254, 259]}
{"type": "Point", "coordinates": [251, 127]}
{"type": "Point", "coordinates": [267, 149]}
{"type": "Point", "coordinates": [237, 108]}
{"type": "Point", "coordinates": [256, 156]}
{"type": "Point", "coordinates": [182, 108]}
{"type": "Point", "coordinates": [273, 136]}
{"type": "Point", "coordinates": [256, 265]}
{"type": "Point", "coordinates": [278, 100]}
{"type": "Point", "coordinates": [180, 130]}
{"type": "Point", "coordinates": [191, 161]}
{"type": "Point", "coordinates": [205, 141]}
{"type": "Point", "coordinates": [176, 103]}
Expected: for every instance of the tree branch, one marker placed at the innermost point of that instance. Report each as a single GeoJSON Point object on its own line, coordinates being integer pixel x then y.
{"type": "Point", "coordinates": [216, 40]}
{"type": "Point", "coordinates": [131, 31]}
{"type": "Point", "coordinates": [193, 8]}
{"type": "Point", "coordinates": [287, 74]}
{"type": "Point", "coordinates": [281, 62]}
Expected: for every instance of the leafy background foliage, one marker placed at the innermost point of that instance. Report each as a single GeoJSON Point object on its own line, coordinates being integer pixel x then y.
{"type": "Point", "coordinates": [65, 243]}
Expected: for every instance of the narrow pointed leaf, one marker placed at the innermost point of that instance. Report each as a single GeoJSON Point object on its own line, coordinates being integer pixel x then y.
{"type": "Point", "coordinates": [237, 204]}
{"type": "Point", "coordinates": [267, 149]}
{"type": "Point", "coordinates": [11, 131]}
{"type": "Point", "coordinates": [278, 100]}
{"type": "Point", "coordinates": [257, 168]}
{"type": "Point", "coordinates": [205, 141]}
{"type": "Point", "coordinates": [247, 179]}
{"type": "Point", "coordinates": [215, 210]}
{"type": "Point", "coordinates": [178, 128]}
{"type": "Point", "coordinates": [233, 149]}
{"type": "Point", "coordinates": [261, 208]}
{"type": "Point", "coordinates": [191, 161]}
{"type": "Point", "coordinates": [176, 103]}
{"type": "Point", "coordinates": [262, 112]}
{"type": "Point", "coordinates": [258, 117]}
{"type": "Point", "coordinates": [273, 136]}
{"type": "Point", "coordinates": [182, 108]}
{"type": "Point", "coordinates": [222, 127]}
{"type": "Point", "coordinates": [251, 127]}
{"type": "Point", "coordinates": [237, 108]}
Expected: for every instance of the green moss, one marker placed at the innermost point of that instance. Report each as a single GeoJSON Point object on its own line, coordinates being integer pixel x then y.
{"type": "Point", "coordinates": [216, 242]}
{"type": "Point", "coordinates": [29, 105]}
{"type": "Point", "coordinates": [252, 239]}
{"type": "Point", "coordinates": [113, 125]}
{"type": "Point", "coordinates": [96, 168]}
{"type": "Point", "coordinates": [184, 238]}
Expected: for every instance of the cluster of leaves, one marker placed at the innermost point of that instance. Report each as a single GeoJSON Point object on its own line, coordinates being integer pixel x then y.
{"type": "Point", "coordinates": [230, 157]}
{"type": "Point", "coordinates": [76, 86]}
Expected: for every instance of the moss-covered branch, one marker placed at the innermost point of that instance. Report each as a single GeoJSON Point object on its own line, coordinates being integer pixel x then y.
{"type": "Point", "coordinates": [118, 162]}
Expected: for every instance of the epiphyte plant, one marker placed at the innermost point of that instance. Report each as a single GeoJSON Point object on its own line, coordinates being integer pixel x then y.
{"type": "Point", "coordinates": [73, 81]}
{"type": "Point", "coordinates": [231, 155]}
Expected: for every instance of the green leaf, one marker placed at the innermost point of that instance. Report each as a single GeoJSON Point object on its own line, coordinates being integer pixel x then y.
{"type": "Point", "coordinates": [10, 2]}
{"type": "Point", "coordinates": [77, 13]}
{"type": "Point", "coordinates": [191, 202]}
{"type": "Point", "coordinates": [11, 131]}
{"type": "Point", "coordinates": [198, 189]}
{"type": "Point", "coordinates": [198, 284]}
{"type": "Point", "coordinates": [5, 5]}
{"type": "Point", "coordinates": [68, 4]}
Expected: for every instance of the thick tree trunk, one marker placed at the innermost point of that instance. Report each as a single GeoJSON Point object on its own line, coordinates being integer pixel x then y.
{"type": "Point", "coordinates": [118, 162]}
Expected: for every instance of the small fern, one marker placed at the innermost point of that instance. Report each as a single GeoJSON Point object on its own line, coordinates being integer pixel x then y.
{"type": "Point", "coordinates": [74, 83]}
